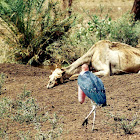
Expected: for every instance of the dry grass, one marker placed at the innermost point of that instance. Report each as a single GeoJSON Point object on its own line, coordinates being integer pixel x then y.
{"type": "Point", "coordinates": [115, 8]}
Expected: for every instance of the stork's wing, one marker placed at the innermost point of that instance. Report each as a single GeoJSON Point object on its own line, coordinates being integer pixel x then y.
{"type": "Point", "coordinates": [93, 87]}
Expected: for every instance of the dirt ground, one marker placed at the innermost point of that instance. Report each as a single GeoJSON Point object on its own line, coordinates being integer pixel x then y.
{"type": "Point", "coordinates": [123, 100]}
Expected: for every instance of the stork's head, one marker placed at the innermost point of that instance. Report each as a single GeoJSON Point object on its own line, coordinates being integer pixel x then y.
{"type": "Point", "coordinates": [55, 78]}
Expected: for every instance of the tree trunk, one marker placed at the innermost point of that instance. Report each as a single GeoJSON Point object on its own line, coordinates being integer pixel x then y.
{"type": "Point", "coordinates": [136, 9]}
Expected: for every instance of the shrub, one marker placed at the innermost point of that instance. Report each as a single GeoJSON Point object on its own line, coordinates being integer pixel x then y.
{"type": "Point", "coordinates": [123, 29]}
{"type": "Point", "coordinates": [54, 132]}
{"type": "Point", "coordinates": [128, 126]}
{"type": "Point", "coordinates": [123, 123]}
{"type": "Point", "coordinates": [2, 77]}
{"type": "Point", "coordinates": [5, 106]}
{"type": "Point", "coordinates": [34, 26]}
{"type": "Point", "coordinates": [26, 110]}
{"type": "Point", "coordinates": [42, 34]}
{"type": "Point", "coordinates": [101, 27]}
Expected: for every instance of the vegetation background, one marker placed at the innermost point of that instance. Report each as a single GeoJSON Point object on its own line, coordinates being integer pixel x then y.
{"type": "Point", "coordinates": [39, 32]}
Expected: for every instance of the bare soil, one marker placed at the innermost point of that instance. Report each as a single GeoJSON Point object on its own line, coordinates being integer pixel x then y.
{"type": "Point", "coordinates": [123, 100]}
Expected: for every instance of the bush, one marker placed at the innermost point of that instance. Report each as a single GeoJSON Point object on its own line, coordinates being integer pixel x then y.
{"type": "Point", "coordinates": [101, 27]}
{"type": "Point", "coordinates": [26, 111]}
{"type": "Point", "coordinates": [42, 34]}
{"type": "Point", "coordinates": [124, 30]}
{"type": "Point", "coordinates": [124, 124]}
{"type": "Point", "coordinates": [34, 26]}
{"type": "Point", "coordinates": [128, 126]}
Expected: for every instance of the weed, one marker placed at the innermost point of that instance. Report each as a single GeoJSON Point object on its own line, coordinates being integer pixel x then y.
{"type": "Point", "coordinates": [53, 121]}
{"type": "Point", "coordinates": [122, 123]}
{"type": "Point", "coordinates": [5, 107]}
{"type": "Point", "coordinates": [2, 77]}
{"type": "Point", "coordinates": [25, 135]}
{"type": "Point", "coordinates": [25, 110]}
{"type": "Point", "coordinates": [53, 132]}
{"type": "Point", "coordinates": [3, 130]}
{"type": "Point", "coordinates": [25, 93]}
{"type": "Point", "coordinates": [128, 126]}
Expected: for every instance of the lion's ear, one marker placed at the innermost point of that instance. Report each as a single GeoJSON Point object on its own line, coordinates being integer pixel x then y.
{"type": "Point", "coordinates": [59, 75]}
{"type": "Point", "coordinates": [56, 66]}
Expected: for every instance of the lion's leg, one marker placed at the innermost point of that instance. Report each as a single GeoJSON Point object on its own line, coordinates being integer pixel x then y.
{"type": "Point", "coordinates": [74, 77]}
{"type": "Point", "coordinates": [103, 69]}
{"type": "Point", "coordinates": [102, 73]}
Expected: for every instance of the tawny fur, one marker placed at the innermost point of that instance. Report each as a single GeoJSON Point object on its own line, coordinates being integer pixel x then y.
{"type": "Point", "coordinates": [105, 57]}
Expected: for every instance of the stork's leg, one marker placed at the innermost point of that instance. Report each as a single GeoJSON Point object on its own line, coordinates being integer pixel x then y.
{"type": "Point", "coordinates": [94, 119]}
{"type": "Point", "coordinates": [86, 119]}
{"type": "Point", "coordinates": [93, 108]}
